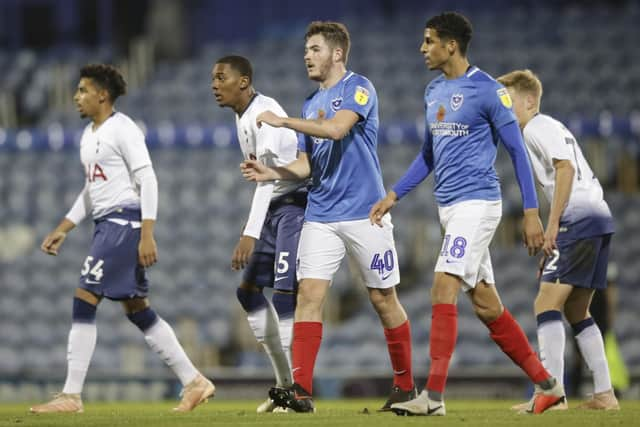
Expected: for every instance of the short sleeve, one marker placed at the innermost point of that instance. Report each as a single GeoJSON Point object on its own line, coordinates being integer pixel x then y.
{"type": "Point", "coordinates": [498, 105]}
{"type": "Point", "coordinates": [547, 142]}
{"type": "Point", "coordinates": [359, 96]}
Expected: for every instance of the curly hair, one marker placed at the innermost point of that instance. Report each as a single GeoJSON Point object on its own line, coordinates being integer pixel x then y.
{"type": "Point", "coordinates": [107, 77]}
{"type": "Point", "coordinates": [452, 26]}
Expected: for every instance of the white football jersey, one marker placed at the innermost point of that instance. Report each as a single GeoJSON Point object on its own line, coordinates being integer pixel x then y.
{"type": "Point", "coordinates": [272, 146]}
{"type": "Point", "coordinates": [547, 139]}
{"type": "Point", "coordinates": [110, 155]}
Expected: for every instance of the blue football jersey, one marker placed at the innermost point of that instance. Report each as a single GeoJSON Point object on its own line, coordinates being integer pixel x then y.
{"type": "Point", "coordinates": [462, 117]}
{"type": "Point", "coordinates": [345, 174]}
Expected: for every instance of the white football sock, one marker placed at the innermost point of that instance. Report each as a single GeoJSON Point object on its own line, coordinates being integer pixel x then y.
{"type": "Point", "coordinates": [163, 341]}
{"type": "Point", "coordinates": [551, 342]}
{"type": "Point", "coordinates": [592, 349]}
{"type": "Point", "coordinates": [264, 324]}
{"type": "Point", "coordinates": [285, 327]}
{"type": "Point", "coordinates": [82, 342]}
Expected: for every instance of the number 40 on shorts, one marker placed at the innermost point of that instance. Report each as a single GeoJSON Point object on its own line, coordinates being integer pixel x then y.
{"type": "Point", "coordinates": [383, 263]}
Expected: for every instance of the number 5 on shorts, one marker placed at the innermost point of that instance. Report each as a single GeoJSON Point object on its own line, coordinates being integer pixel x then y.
{"type": "Point", "coordinates": [282, 265]}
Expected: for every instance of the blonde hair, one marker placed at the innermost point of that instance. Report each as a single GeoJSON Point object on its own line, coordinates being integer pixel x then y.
{"type": "Point", "coordinates": [525, 81]}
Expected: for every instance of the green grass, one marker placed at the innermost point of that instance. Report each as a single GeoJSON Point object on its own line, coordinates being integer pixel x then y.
{"type": "Point", "coordinates": [334, 413]}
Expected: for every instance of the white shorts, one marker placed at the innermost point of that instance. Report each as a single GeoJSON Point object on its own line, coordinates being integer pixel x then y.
{"type": "Point", "coordinates": [469, 227]}
{"type": "Point", "coordinates": [371, 248]}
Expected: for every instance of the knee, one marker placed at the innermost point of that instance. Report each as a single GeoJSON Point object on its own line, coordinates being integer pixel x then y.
{"type": "Point", "coordinates": [445, 289]}
{"type": "Point", "coordinates": [251, 299]}
{"type": "Point", "coordinates": [309, 299]}
{"type": "Point", "coordinates": [488, 313]}
{"type": "Point", "coordinates": [383, 300]}
{"type": "Point", "coordinates": [143, 319]}
{"type": "Point", "coordinates": [284, 303]}
{"type": "Point", "coordinates": [544, 303]}
{"type": "Point", "coordinates": [575, 315]}
{"type": "Point", "coordinates": [83, 312]}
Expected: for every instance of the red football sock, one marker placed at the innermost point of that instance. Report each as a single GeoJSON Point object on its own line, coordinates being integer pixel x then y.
{"type": "Point", "coordinates": [306, 343]}
{"type": "Point", "coordinates": [442, 341]}
{"type": "Point", "coordinates": [399, 344]}
{"type": "Point", "coordinates": [508, 334]}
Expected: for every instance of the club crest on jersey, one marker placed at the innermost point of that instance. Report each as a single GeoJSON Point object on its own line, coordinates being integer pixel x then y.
{"type": "Point", "coordinates": [441, 112]}
{"type": "Point", "coordinates": [456, 101]}
{"type": "Point", "coordinates": [336, 103]}
{"type": "Point", "coordinates": [361, 96]}
{"type": "Point", "coordinates": [504, 97]}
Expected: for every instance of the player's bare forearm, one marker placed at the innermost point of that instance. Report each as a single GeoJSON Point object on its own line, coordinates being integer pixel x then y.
{"type": "Point", "coordinates": [296, 170]}
{"type": "Point", "coordinates": [54, 240]}
{"type": "Point", "coordinates": [253, 170]}
{"type": "Point", "coordinates": [65, 226]}
{"type": "Point", "coordinates": [147, 228]}
{"type": "Point", "coordinates": [147, 249]}
{"type": "Point", "coordinates": [334, 128]}
{"type": "Point", "coordinates": [242, 252]}
{"type": "Point", "coordinates": [320, 128]}
{"type": "Point", "coordinates": [564, 183]}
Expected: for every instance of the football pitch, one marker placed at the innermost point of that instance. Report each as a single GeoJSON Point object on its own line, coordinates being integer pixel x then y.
{"type": "Point", "coordinates": [334, 413]}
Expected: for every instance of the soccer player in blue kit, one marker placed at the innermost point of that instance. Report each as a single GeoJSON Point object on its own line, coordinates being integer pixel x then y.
{"type": "Point", "coordinates": [577, 239]}
{"type": "Point", "coordinates": [121, 194]}
{"type": "Point", "coordinates": [338, 150]}
{"type": "Point", "coordinates": [467, 113]}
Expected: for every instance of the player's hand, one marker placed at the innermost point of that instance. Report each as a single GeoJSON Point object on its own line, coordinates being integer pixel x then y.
{"type": "Point", "coordinates": [550, 236]}
{"type": "Point", "coordinates": [532, 231]}
{"type": "Point", "coordinates": [52, 242]}
{"type": "Point", "coordinates": [269, 118]}
{"type": "Point", "coordinates": [543, 258]}
{"type": "Point", "coordinates": [253, 170]}
{"type": "Point", "coordinates": [147, 251]}
{"type": "Point", "coordinates": [242, 252]}
{"type": "Point", "coordinates": [382, 207]}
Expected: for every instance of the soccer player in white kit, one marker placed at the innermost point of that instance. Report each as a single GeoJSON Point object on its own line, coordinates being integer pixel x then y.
{"type": "Point", "coordinates": [121, 194]}
{"type": "Point", "coordinates": [577, 238]}
{"type": "Point", "coordinates": [268, 247]}
{"type": "Point", "coordinates": [338, 151]}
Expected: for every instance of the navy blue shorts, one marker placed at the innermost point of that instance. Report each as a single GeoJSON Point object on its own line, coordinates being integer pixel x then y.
{"type": "Point", "coordinates": [273, 262]}
{"type": "Point", "coordinates": [579, 262]}
{"type": "Point", "coordinates": [111, 269]}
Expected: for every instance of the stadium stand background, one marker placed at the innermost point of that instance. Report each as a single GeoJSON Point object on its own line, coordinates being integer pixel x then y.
{"type": "Point", "coordinates": [586, 53]}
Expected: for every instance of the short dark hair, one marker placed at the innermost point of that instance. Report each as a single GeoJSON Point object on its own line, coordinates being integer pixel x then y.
{"type": "Point", "coordinates": [335, 33]}
{"type": "Point", "coordinates": [107, 77]}
{"type": "Point", "coordinates": [452, 26]}
{"type": "Point", "coordinates": [238, 63]}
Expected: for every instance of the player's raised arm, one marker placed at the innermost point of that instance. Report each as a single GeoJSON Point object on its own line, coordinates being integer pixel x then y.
{"type": "Point", "coordinates": [334, 128]}
{"type": "Point", "coordinates": [254, 170]}
{"type": "Point", "coordinates": [532, 233]}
